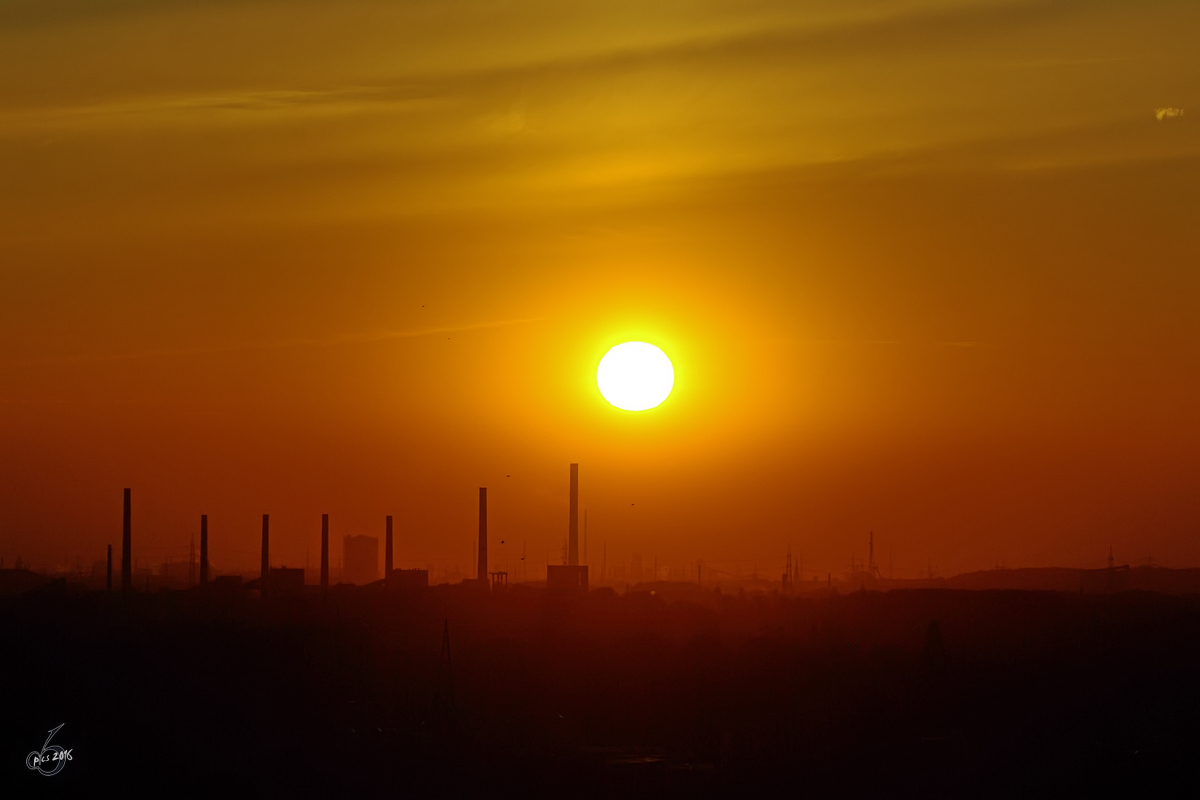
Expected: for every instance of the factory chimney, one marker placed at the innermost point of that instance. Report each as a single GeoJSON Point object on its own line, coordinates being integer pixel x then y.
{"type": "Point", "coordinates": [204, 549]}
{"type": "Point", "coordinates": [387, 550]}
{"type": "Point", "coordinates": [573, 524]}
{"type": "Point", "coordinates": [127, 546]}
{"type": "Point", "coordinates": [483, 574]}
{"type": "Point", "coordinates": [324, 551]}
{"type": "Point", "coordinates": [265, 574]}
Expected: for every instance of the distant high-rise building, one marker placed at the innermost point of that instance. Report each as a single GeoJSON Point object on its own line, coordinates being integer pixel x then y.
{"type": "Point", "coordinates": [360, 559]}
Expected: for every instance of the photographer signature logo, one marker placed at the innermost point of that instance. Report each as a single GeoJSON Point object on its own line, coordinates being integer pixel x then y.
{"type": "Point", "coordinates": [51, 758]}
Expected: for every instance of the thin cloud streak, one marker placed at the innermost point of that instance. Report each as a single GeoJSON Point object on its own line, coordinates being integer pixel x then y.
{"type": "Point", "coordinates": [358, 338]}
{"type": "Point", "coordinates": [908, 342]}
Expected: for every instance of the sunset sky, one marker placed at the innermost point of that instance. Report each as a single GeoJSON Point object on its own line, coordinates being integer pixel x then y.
{"type": "Point", "coordinates": [923, 267]}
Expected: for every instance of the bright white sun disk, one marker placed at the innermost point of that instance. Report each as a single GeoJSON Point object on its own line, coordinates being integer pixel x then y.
{"type": "Point", "coordinates": [635, 376]}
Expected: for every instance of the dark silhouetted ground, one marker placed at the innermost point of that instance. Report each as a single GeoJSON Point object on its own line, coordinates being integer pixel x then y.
{"type": "Point", "coordinates": [919, 692]}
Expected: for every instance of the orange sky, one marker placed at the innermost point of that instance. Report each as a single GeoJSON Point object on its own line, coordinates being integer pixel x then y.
{"type": "Point", "coordinates": [927, 268]}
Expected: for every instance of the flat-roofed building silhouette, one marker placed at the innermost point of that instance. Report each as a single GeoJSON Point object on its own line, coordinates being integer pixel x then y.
{"type": "Point", "coordinates": [287, 580]}
{"type": "Point", "coordinates": [565, 578]}
{"type": "Point", "coordinates": [408, 579]}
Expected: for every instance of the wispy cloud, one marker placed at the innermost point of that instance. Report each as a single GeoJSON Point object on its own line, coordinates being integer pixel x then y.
{"type": "Point", "coordinates": [903, 342]}
{"type": "Point", "coordinates": [222, 107]}
{"type": "Point", "coordinates": [275, 344]}
{"type": "Point", "coordinates": [1167, 113]}
{"type": "Point", "coordinates": [912, 27]}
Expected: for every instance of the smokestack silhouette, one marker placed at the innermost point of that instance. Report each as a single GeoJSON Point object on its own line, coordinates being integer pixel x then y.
{"type": "Point", "coordinates": [324, 551]}
{"type": "Point", "coordinates": [108, 575]}
{"type": "Point", "coordinates": [204, 549]}
{"type": "Point", "coordinates": [483, 575]}
{"type": "Point", "coordinates": [573, 525]}
{"type": "Point", "coordinates": [387, 549]}
{"type": "Point", "coordinates": [265, 575]}
{"type": "Point", "coordinates": [127, 546]}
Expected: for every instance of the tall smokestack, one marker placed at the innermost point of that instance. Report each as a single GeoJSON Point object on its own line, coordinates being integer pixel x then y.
{"type": "Point", "coordinates": [387, 549]}
{"type": "Point", "coordinates": [324, 551]}
{"type": "Point", "coordinates": [483, 575]}
{"type": "Point", "coordinates": [127, 546]}
{"type": "Point", "coordinates": [265, 574]}
{"type": "Point", "coordinates": [573, 525]}
{"type": "Point", "coordinates": [204, 549]}
{"type": "Point", "coordinates": [108, 576]}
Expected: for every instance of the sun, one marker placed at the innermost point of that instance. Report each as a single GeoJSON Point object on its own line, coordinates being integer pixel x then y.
{"type": "Point", "coordinates": [635, 376]}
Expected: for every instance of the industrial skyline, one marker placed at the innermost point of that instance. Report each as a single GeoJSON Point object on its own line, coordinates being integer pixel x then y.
{"type": "Point", "coordinates": [360, 565]}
